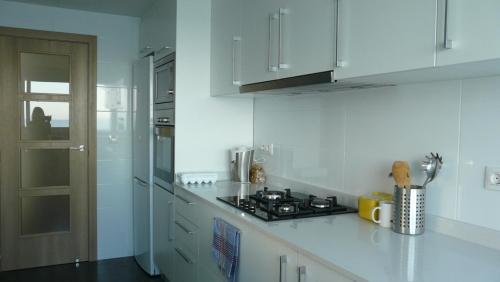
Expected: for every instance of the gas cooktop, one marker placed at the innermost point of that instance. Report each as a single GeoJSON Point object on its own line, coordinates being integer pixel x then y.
{"type": "Point", "coordinates": [276, 205]}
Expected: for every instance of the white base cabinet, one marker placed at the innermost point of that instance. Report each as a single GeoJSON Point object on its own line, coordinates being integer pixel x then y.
{"type": "Point", "coordinates": [262, 258]}
{"type": "Point", "coordinates": [163, 247]}
{"type": "Point", "coordinates": [310, 270]}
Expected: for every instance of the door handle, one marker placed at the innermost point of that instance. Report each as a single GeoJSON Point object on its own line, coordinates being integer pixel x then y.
{"type": "Point", "coordinates": [302, 273]}
{"type": "Point", "coordinates": [448, 43]}
{"type": "Point", "coordinates": [271, 66]}
{"type": "Point", "coordinates": [236, 41]}
{"type": "Point", "coordinates": [281, 39]}
{"type": "Point", "coordinates": [283, 262]}
{"type": "Point", "coordinates": [338, 60]}
{"type": "Point", "coordinates": [184, 228]}
{"type": "Point", "coordinates": [80, 148]}
{"type": "Point", "coordinates": [183, 255]}
{"type": "Point", "coordinates": [184, 200]}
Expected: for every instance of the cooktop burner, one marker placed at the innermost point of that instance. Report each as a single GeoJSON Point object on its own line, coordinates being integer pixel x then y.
{"type": "Point", "coordinates": [271, 205]}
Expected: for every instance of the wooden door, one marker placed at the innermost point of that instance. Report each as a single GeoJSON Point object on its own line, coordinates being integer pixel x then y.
{"type": "Point", "coordinates": [44, 158]}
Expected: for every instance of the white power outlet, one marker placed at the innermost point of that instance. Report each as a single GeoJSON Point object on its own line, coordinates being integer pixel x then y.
{"type": "Point", "coordinates": [492, 178]}
{"type": "Point", "coordinates": [268, 149]}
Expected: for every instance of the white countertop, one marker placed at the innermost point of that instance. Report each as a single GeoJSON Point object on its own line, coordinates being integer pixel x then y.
{"type": "Point", "coordinates": [366, 250]}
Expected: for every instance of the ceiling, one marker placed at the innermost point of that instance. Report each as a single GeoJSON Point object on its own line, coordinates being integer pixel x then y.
{"type": "Point", "coordinates": [134, 8]}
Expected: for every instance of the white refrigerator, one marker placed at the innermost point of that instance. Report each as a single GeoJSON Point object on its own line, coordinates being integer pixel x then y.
{"type": "Point", "coordinates": [142, 124]}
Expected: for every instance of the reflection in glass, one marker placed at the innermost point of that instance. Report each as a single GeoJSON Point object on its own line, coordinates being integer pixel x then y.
{"type": "Point", "coordinates": [45, 121]}
{"type": "Point", "coordinates": [44, 214]}
{"type": "Point", "coordinates": [44, 167]}
{"type": "Point", "coordinates": [43, 73]}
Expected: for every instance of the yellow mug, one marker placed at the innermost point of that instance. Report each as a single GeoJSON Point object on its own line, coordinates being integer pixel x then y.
{"type": "Point", "coordinates": [370, 201]}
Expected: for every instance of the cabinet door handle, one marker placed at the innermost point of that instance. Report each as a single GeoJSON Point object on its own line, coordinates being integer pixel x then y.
{"type": "Point", "coordinates": [448, 43]}
{"type": "Point", "coordinates": [302, 273]}
{"type": "Point", "coordinates": [283, 262]}
{"type": "Point", "coordinates": [184, 200]}
{"type": "Point", "coordinates": [183, 255]}
{"type": "Point", "coordinates": [338, 60]}
{"type": "Point", "coordinates": [281, 39]}
{"type": "Point", "coordinates": [236, 55]}
{"type": "Point", "coordinates": [170, 220]}
{"type": "Point", "coordinates": [184, 228]}
{"type": "Point", "coordinates": [271, 66]}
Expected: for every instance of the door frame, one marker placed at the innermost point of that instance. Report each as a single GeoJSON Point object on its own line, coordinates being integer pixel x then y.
{"type": "Point", "coordinates": [91, 42]}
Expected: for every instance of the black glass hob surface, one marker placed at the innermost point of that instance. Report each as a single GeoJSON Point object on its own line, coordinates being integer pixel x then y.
{"type": "Point", "coordinates": [273, 205]}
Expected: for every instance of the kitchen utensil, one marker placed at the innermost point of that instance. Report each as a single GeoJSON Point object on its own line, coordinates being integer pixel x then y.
{"type": "Point", "coordinates": [385, 209]}
{"type": "Point", "coordinates": [241, 161]}
{"type": "Point", "coordinates": [401, 173]}
{"type": "Point", "coordinates": [432, 165]}
{"type": "Point", "coordinates": [368, 202]}
{"type": "Point", "coordinates": [409, 210]}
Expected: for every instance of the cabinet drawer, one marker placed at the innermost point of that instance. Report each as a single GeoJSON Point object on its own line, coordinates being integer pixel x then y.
{"type": "Point", "coordinates": [186, 206]}
{"type": "Point", "coordinates": [185, 265]}
{"type": "Point", "coordinates": [186, 234]}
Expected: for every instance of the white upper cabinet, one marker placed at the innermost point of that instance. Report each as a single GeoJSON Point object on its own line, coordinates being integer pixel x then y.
{"type": "Point", "coordinates": [306, 37]}
{"type": "Point", "coordinates": [259, 40]}
{"type": "Point", "coordinates": [157, 31]}
{"type": "Point", "coordinates": [385, 36]}
{"type": "Point", "coordinates": [471, 29]}
{"type": "Point", "coordinates": [285, 38]}
{"type": "Point", "coordinates": [226, 47]}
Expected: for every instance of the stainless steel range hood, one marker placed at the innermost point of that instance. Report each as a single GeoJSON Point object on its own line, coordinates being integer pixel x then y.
{"type": "Point", "coordinates": [304, 84]}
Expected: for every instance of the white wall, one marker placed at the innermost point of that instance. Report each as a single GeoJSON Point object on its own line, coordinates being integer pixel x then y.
{"type": "Point", "coordinates": [117, 48]}
{"type": "Point", "coordinates": [347, 141]}
{"type": "Point", "coordinates": [206, 127]}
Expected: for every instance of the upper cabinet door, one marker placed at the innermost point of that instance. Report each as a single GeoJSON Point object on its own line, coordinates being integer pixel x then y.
{"type": "Point", "coordinates": [306, 37]}
{"type": "Point", "coordinates": [226, 47]}
{"type": "Point", "coordinates": [385, 36]}
{"type": "Point", "coordinates": [259, 40]}
{"type": "Point", "coordinates": [471, 29]}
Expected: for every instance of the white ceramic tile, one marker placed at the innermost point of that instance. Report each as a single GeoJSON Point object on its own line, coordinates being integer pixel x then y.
{"type": "Point", "coordinates": [307, 132]}
{"type": "Point", "coordinates": [118, 74]}
{"type": "Point", "coordinates": [480, 136]}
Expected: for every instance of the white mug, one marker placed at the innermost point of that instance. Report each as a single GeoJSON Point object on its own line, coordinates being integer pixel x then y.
{"type": "Point", "coordinates": [384, 215]}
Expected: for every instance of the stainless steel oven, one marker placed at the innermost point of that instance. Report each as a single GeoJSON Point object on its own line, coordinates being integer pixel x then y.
{"type": "Point", "coordinates": [164, 81]}
{"type": "Point", "coordinates": [163, 149]}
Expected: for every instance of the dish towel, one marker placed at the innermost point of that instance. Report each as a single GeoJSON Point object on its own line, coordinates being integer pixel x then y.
{"type": "Point", "coordinates": [226, 248]}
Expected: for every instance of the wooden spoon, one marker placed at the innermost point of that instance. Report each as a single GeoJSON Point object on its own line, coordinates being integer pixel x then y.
{"type": "Point", "coordinates": [401, 174]}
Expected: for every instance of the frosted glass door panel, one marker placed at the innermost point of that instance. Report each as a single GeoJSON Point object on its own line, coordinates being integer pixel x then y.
{"type": "Point", "coordinates": [45, 74]}
{"type": "Point", "coordinates": [45, 121]}
{"type": "Point", "coordinates": [45, 214]}
{"type": "Point", "coordinates": [44, 168]}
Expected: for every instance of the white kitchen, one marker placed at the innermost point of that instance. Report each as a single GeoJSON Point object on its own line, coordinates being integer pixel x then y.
{"type": "Point", "coordinates": [264, 140]}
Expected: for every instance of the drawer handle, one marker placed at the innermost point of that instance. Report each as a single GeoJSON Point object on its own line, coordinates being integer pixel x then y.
{"type": "Point", "coordinates": [283, 262]}
{"type": "Point", "coordinates": [183, 255]}
{"type": "Point", "coordinates": [184, 228]}
{"type": "Point", "coordinates": [302, 273]}
{"type": "Point", "coordinates": [184, 200]}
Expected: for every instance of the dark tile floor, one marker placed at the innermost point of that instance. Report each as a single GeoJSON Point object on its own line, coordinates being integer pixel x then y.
{"type": "Point", "coordinates": [113, 270]}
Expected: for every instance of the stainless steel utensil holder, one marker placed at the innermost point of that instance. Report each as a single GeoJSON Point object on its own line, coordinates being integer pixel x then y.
{"type": "Point", "coordinates": [409, 210]}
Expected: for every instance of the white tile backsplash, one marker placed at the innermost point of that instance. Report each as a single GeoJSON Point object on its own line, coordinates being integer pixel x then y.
{"type": "Point", "coordinates": [347, 141]}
